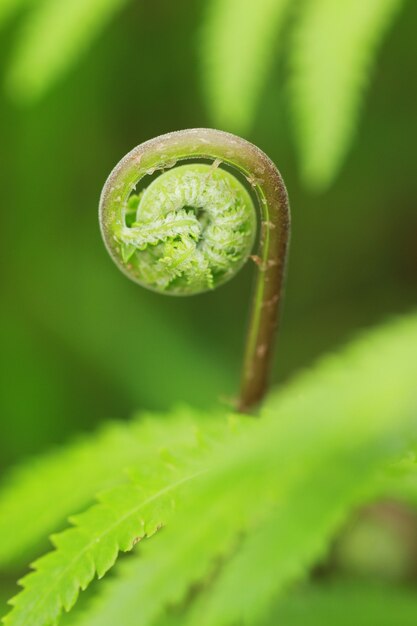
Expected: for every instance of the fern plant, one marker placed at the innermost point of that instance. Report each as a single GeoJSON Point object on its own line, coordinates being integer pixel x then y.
{"type": "Point", "coordinates": [222, 514]}
{"type": "Point", "coordinates": [331, 49]}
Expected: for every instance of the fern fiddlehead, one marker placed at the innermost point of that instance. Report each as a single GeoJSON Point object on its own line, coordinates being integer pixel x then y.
{"type": "Point", "coordinates": [194, 227]}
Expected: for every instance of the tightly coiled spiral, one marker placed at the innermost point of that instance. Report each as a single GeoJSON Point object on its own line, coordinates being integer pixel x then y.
{"type": "Point", "coordinates": [194, 226]}
{"type": "Point", "coordinates": [189, 231]}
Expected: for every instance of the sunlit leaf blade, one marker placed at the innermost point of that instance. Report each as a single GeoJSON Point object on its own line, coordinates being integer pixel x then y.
{"type": "Point", "coordinates": [54, 35]}
{"type": "Point", "coordinates": [333, 52]}
{"type": "Point", "coordinates": [123, 516]}
{"type": "Point", "coordinates": [274, 497]}
{"type": "Point", "coordinates": [48, 489]}
{"type": "Point", "coordinates": [239, 42]}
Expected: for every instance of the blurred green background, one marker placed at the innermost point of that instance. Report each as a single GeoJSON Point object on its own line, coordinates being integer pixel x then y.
{"type": "Point", "coordinates": [79, 342]}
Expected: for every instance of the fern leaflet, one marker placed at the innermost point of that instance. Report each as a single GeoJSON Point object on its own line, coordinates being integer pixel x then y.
{"type": "Point", "coordinates": [238, 46]}
{"type": "Point", "coordinates": [75, 474]}
{"type": "Point", "coordinates": [53, 36]}
{"type": "Point", "coordinates": [275, 495]}
{"type": "Point", "coordinates": [122, 517]}
{"type": "Point", "coordinates": [334, 47]}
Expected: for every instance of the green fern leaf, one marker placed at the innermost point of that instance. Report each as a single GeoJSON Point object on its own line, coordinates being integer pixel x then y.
{"type": "Point", "coordinates": [332, 54]}
{"type": "Point", "coordinates": [122, 517]}
{"type": "Point", "coordinates": [273, 498]}
{"type": "Point", "coordinates": [54, 35]}
{"type": "Point", "coordinates": [238, 46]}
{"type": "Point", "coordinates": [73, 475]}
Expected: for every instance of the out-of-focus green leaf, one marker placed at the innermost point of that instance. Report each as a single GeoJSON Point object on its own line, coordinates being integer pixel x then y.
{"type": "Point", "coordinates": [121, 518]}
{"type": "Point", "coordinates": [305, 475]}
{"type": "Point", "coordinates": [332, 54]}
{"type": "Point", "coordinates": [9, 7]}
{"type": "Point", "coordinates": [238, 46]}
{"type": "Point", "coordinates": [54, 35]}
{"type": "Point", "coordinates": [48, 489]}
{"type": "Point", "coordinates": [346, 603]}
{"type": "Point", "coordinates": [339, 602]}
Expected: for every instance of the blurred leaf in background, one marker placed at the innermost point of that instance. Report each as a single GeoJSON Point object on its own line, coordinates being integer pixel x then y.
{"type": "Point", "coordinates": [330, 59]}
{"type": "Point", "coordinates": [240, 38]}
{"type": "Point", "coordinates": [344, 602]}
{"type": "Point", "coordinates": [53, 36]}
{"type": "Point", "coordinates": [331, 55]}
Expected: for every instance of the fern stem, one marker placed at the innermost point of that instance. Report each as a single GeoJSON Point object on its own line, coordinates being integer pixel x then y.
{"type": "Point", "coordinates": [165, 152]}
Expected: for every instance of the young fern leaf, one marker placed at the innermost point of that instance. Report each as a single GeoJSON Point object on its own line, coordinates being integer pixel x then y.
{"type": "Point", "coordinates": [122, 517]}
{"type": "Point", "coordinates": [237, 48]}
{"type": "Point", "coordinates": [193, 228]}
{"type": "Point", "coordinates": [53, 36]}
{"type": "Point", "coordinates": [74, 475]}
{"type": "Point", "coordinates": [272, 498]}
{"type": "Point", "coordinates": [332, 53]}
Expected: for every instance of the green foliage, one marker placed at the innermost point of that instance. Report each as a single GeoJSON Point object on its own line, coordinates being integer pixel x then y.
{"type": "Point", "coordinates": [53, 36]}
{"type": "Point", "coordinates": [66, 480]}
{"type": "Point", "coordinates": [298, 507]}
{"type": "Point", "coordinates": [239, 40]}
{"type": "Point", "coordinates": [123, 516]}
{"type": "Point", "coordinates": [79, 343]}
{"type": "Point", "coordinates": [332, 54]}
{"type": "Point", "coordinates": [259, 503]}
{"type": "Point", "coordinates": [339, 602]}
{"type": "Point", "coordinates": [173, 247]}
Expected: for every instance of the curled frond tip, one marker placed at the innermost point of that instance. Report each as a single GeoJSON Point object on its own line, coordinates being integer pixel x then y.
{"type": "Point", "coordinates": [189, 231]}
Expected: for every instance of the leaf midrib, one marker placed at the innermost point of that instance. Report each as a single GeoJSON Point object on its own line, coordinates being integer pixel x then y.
{"type": "Point", "coordinates": [94, 541]}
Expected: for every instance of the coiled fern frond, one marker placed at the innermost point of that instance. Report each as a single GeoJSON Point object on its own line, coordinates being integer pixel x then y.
{"type": "Point", "coordinates": [194, 226]}
{"type": "Point", "coordinates": [192, 229]}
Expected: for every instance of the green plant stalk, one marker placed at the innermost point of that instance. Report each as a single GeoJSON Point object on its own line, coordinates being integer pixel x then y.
{"type": "Point", "coordinates": [262, 175]}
